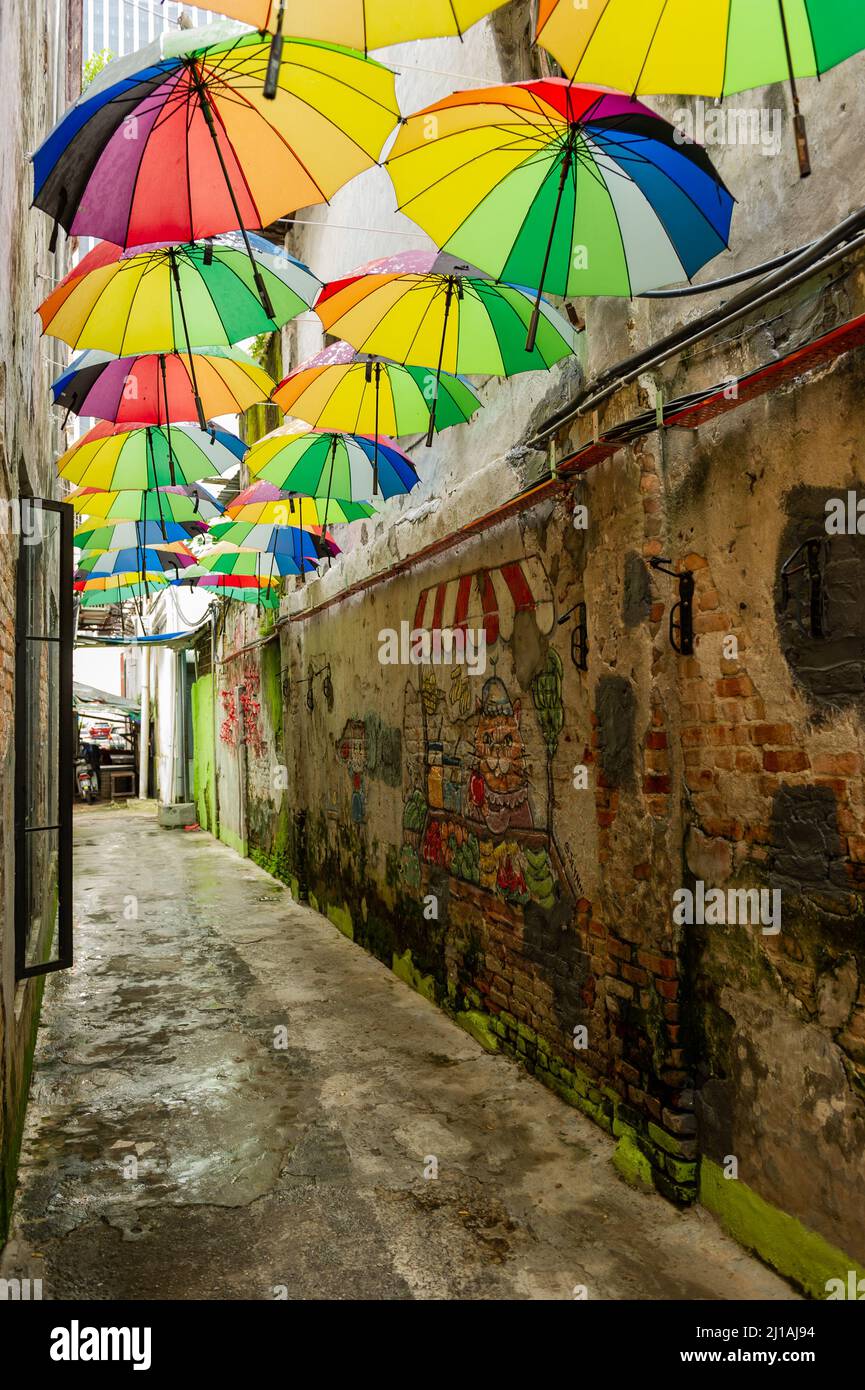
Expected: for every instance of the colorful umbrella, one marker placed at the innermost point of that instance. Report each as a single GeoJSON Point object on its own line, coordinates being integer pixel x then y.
{"type": "Point", "coordinates": [110, 586]}
{"type": "Point", "coordinates": [341, 389]}
{"type": "Point", "coordinates": [158, 388]}
{"type": "Point", "coordinates": [226, 560]}
{"type": "Point", "coordinates": [572, 190]}
{"type": "Point", "coordinates": [173, 298]}
{"type": "Point", "coordinates": [135, 588]}
{"type": "Point", "coordinates": [361, 24]}
{"type": "Point", "coordinates": [276, 540]}
{"type": "Point", "coordinates": [114, 458]}
{"type": "Point", "coordinates": [175, 142]}
{"type": "Point", "coordinates": [159, 561]}
{"type": "Point", "coordinates": [707, 49]}
{"type": "Point", "coordinates": [326, 464]}
{"type": "Point", "coordinates": [264, 503]}
{"type": "Point", "coordinates": [159, 504]}
{"type": "Point", "coordinates": [422, 307]}
{"type": "Point", "coordinates": [262, 595]}
{"type": "Point", "coordinates": [133, 535]}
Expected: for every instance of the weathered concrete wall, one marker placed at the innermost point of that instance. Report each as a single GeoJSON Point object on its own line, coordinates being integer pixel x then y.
{"type": "Point", "coordinates": [443, 821]}
{"type": "Point", "coordinates": [37, 78]}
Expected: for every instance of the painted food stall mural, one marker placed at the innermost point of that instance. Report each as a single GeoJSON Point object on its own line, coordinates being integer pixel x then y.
{"type": "Point", "coordinates": [480, 748]}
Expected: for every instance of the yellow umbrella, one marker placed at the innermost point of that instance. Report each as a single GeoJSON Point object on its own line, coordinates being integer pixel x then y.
{"type": "Point", "coordinates": [362, 24]}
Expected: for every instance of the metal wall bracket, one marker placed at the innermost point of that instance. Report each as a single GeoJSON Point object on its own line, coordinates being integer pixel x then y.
{"type": "Point", "coordinates": [682, 613]}
{"type": "Point", "coordinates": [813, 566]}
{"type": "Point", "coordinates": [579, 636]}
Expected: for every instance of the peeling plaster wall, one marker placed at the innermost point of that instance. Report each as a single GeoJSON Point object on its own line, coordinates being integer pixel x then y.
{"type": "Point", "coordinates": [482, 872]}
{"type": "Point", "coordinates": [38, 73]}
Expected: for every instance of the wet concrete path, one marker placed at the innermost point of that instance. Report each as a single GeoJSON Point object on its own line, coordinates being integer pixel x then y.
{"type": "Point", "coordinates": [173, 1151]}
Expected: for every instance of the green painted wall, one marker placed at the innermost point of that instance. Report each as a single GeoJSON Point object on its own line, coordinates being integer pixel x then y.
{"type": "Point", "coordinates": [204, 753]}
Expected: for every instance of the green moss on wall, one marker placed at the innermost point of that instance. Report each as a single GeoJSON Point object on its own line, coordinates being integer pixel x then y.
{"type": "Point", "coordinates": [797, 1252]}
{"type": "Point", "coordinates": [404, 967]}
{"type": "Point", "coordinates": [204, 753]}
{"type": "Point", "coordinates": [478, 1025]}
{"type": "Point", "coordinates": [341, 918]}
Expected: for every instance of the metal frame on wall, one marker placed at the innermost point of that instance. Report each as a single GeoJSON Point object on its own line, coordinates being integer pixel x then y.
{"type": "Point", "coordinates": [65, 750]}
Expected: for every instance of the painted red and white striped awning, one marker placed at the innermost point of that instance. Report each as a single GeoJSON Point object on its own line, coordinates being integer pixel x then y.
{"type": "Point", "coordinates": [489, 599]}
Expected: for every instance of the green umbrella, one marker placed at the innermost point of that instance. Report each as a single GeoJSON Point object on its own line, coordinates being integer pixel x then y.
{"type": "Point", "coordinates": [114, 457]}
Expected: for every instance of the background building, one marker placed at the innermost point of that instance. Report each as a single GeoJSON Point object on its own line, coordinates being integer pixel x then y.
{"type": "Point", "coordinates": [121, 26]}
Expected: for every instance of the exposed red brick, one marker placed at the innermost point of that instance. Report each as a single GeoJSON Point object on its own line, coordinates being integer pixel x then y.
{"type": "Point", "coordinates": [785, 760]}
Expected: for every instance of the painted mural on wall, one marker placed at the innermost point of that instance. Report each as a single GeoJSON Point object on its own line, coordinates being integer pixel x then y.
{"type": "Point", "coordinates": [368, 748]}
{"type": "Point", "coordinates": [480, 750]}
{"type": "Point", "coordinates": [351, 750]}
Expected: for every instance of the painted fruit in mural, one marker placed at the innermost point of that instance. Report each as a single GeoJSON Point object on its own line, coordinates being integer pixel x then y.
{"type": "Point", "coordinates": [540, 881]}
{"type": "Point", "coordinates": [547, 697]}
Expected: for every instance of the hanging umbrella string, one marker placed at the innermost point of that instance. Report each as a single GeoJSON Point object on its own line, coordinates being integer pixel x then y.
{"type": "Point", "coordinates": [567, 164]}
{"type": "Point", "coordinates": [167, 418]}
{"type": "Point", "coordinates": [333, 449]}
{"type": "Point", "coordinates": [438, 377]}
{"type": "Point", "coordinates": [375, 443]}
{"type": "Point", "coordinates": [175, 271]}
{"type": "Point", "coordinates": [158, 493]}
{"type": "Point", "coordinates": [211, 126]}
{"type": "Point", "coordinates": [798, 119]}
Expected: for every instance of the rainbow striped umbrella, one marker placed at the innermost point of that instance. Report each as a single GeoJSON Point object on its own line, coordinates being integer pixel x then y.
{"type": "Point", "coordinates": [572, 190]}
{"type": "Point", "coordinates": [114, 458]}
{"type": "Point", "coordinates": [327, 464]}
{"type": "Point", "coordinates": [177, 142]}
{"type": "Point", "coordinates": [159, 388]}
{"type": "Point", "coordinates": [164, 504]}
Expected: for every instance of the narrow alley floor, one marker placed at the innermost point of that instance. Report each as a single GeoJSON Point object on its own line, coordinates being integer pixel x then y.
{"type": "Point", "coordinates": [173, 1151]}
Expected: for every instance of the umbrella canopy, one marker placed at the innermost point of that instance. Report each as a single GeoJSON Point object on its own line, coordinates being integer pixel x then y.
{"type": "Point", "coordinates": [177, 141]}
{"type": "Point", "coordinates": [417, 308]}
{"type": "Point", "coordinates": [135, 588]}
{"type": "Point", "coordinates": [264, 596]}
{"type": "Point", "coordinates": [262, 502]}
{"type": "Point", "coordinates": [709, 50]}
{"type": "Point", "coordinates": [168, 298]}
{"type": "Point", "coordinates": [157, 388]}
{"type": "Point", "coordinates": [420, 307]}
{"type": "Point", "coordinates": [276, 540]}
{"type": "Point", "coordinates": [341, 389]}
{"type": "Point", "coordinates": [227, 560]}
{"type": "Point", "coordinates": [134, 535]}
{"type": "Point", "coordinates": [573, 190]}
{"type": "Point", "coordinates": [112, 584]}
{"type": "Point", "coordinates": [115, 459]}
{"type": "Point", "coordinates": [362, 24]}
{"type": "Point", "coordinates": [158, 504]}
{"type": "Point", "coordinates": [155, 561]}
{"type": "Point", "coordinates": [325, 464]}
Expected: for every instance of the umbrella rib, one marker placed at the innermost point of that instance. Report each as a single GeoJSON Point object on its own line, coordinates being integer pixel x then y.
{"type": "Point", "coordinates": [228, 267]}
{"type": "Point", "coordinates": [231, 96]}
{"type": "Point", "coordinates": [540, 153]}
{"type": "Point", "coordinates": [441, 288]}
{"type": "Point", "coordinates": [133, 191]}
{"type": "Point", "coordinates": [649, 45]}
{"type": "Point", "coordinates": [622, 172]}
{"type": "Point", "coordinates": [329, 77]}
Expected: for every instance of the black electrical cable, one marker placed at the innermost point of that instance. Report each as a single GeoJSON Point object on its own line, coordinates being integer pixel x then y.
{"type": "Point", "coordinates": [707, 287]}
